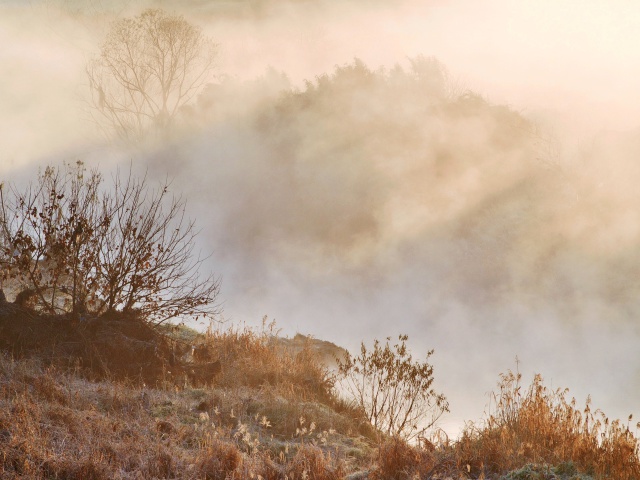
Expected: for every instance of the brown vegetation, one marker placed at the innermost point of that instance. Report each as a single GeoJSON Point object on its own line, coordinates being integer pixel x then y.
{"type": "Point", "coordinates": [541, 426]}
{"type": "Point", "coordinates": [532, 434]}
{"type": "Point", "coordinates": [261, 412]}
{"type": "Point", "coordinates": [56, 424]}
{"type": "Point", "coordinates": [114, 345]}
{"type": "Point", "coordinates": [253, 359]}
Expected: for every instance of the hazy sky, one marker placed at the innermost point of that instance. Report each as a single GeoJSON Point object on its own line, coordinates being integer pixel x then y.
{"type": "Point", "coordinates": [531, 255]}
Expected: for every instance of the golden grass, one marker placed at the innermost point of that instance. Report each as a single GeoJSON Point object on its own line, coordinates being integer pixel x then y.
{"type": "Point", "coordinates": [251, 358]}
{"type": "Point", "coordinates": [397, 460]}
{"type": "Point", "coordinates": [55, 424]}
{"type": "Point", "coordinates": [542, 426]}
{"type": "Point", "coordinates": [532, 433]}
{"type": "Point", "coordinates": [271, 414]}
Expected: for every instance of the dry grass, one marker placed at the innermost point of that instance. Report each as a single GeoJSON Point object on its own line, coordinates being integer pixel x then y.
{"type": "Point", "coordinates": [55, 424]}
{"type": "Point", "coordinates": [397, 460]}
{"type": "Point", "coordinates": [220, 461]}
{"type": "Point", "coordinates": [272, 414]}
{"type": "Point", "coordinates": [531, 434]}
{"type": "Point", "coordinates": [252, 358]}
{"type": "Point", "coordinates": [310, 462]}
{"type": "Point", "coordinates": [543, 427]}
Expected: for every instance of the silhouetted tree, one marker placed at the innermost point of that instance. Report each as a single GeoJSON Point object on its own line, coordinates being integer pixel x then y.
{"type": "Point", "coordinates": [82, 248]}
{"type": "Point", "coordinates": [148, 68]}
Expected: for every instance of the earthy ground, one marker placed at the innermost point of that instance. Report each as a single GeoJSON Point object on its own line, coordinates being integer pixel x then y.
{"type": "Point", "coordinates": [112, 398]}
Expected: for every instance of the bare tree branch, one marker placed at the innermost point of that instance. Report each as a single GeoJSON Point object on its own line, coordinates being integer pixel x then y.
{"type": "Point", "coordinates": [82, 247]}
{"type": "Point", "coordinates": [149, 67]}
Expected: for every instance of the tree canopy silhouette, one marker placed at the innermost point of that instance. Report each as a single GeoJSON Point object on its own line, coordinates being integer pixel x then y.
{"type": "Point", "coordinates": [149, 67]}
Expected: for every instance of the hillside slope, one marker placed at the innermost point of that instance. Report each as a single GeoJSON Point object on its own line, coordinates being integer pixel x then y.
{"type": "Point", "coordinates": [269, 413]}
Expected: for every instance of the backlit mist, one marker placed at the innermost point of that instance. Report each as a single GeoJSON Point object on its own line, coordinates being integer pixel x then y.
{"type": "Point", "coordinates": [463, 172]}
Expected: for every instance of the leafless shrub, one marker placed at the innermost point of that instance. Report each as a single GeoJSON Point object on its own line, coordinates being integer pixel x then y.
{"type": "Point", "coordinates": [80, 248]}
{"type": "Point", "coordinates": [392, 389]}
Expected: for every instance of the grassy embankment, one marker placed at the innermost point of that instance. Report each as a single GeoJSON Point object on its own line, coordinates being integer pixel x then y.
{"type": "Point", "coordinates": [268, 412]}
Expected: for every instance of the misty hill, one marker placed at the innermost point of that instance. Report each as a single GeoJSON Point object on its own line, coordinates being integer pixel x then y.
{"type": "Point", "coordinates": [368, 195]}
{"type": "Point", "coordinates": [324, 351]}
{"type": "Point", "coordinates": [367, 198]}
{"type": "Point", "coordinates": [360, 161]}
{"type": "Point", "coordinates": [362, 166]}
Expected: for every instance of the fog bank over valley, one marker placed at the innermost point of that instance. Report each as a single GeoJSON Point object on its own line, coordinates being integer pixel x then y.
{"type": "Point", "coordinates": [463, 173]}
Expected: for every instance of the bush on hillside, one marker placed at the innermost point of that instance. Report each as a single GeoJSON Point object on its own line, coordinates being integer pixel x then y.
{"type": "Point", "coordinates": [394, 391]}
{"type": "Point", "coordinates": [542, 426]}
{"type": "Point", "coordinates": [70, 245]}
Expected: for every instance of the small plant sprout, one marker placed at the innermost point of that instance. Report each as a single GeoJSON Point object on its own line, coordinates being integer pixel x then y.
{"type": "Point", "coordinates": [264, 422]}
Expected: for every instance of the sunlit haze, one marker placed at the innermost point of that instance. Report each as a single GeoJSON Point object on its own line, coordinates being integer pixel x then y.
{"type": "Point", "coordinates": [482, 199]}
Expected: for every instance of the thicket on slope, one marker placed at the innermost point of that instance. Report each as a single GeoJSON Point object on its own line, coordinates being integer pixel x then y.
{"type": "Point", "coordinates": [114, 345]}
{"type": "Point", "coordinates": [393, 390]}
{"type": "Point", "coordinates": [542, 426]}
{"type": "Point", "coordinates": [70, 245]}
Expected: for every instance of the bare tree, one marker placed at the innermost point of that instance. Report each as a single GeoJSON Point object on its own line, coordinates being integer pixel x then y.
{"type": "Point", "coordinates": [79, 247]}
{"type": "Point", "coordinates": [393, 391]}
{"type": "Point", "coordinates": [148, 68]}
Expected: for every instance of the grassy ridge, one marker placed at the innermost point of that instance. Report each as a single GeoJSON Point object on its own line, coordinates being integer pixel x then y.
{"type": "Point", "coordinates": [272, 414]}
{"type": "Point", "coordinates": [268, 414]}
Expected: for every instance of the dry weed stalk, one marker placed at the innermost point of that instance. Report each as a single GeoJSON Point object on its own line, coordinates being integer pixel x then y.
{"type": "Point", "coordinates": [542, 426]}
